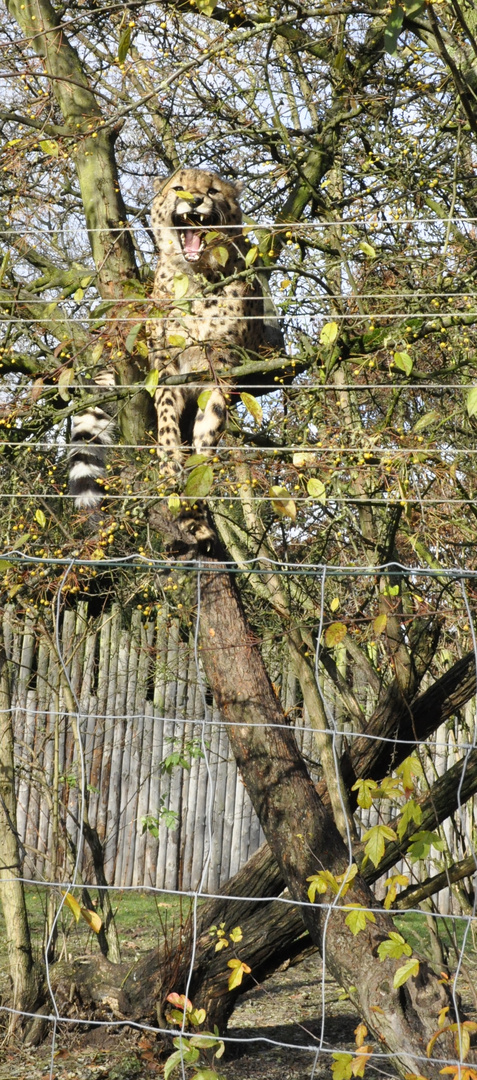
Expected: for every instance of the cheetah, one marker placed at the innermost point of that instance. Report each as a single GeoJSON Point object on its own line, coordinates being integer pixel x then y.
{"type": "Point", "coordinates": [213, 317]}
{"type": "Point", "coordinates": [209, 317]}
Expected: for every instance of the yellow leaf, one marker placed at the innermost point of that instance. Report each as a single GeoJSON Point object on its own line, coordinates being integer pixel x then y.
{"type": "Point", "coordinates": [252, 406]}
{"type": "Point", "coordinates": [316, 489]}
{"type": "Point", "coordinates": [221, 254]}
{"type": "Point", "coordinates": [177, 341]}
{"type": "Point", "coordinates": [49, 146]}
{"type": "Point", "coordinates": [239, 969]}
{"type": "Point", "coordinates": [73, 905]}
{"type": "Point", "coordinates": [181, 285]}
{"type": "Point", "coordinates": [335, 603]}
{"type": "Point", "coordinates": [64, 380]}
{"type": "Point", "coordinates": [281, 502]}
{"type": "Point", "coordinates": [329, 333]}
{"type": "Point", "coordinates": [40, 518]}
{"type": "Point", "coordinates": [304, 459]}
{"type": "Point", "coordinates": [335, 633]}
{"type": "Point", "coordinates": [409, 969]}
{"type": "Point", "coordinates": [96, 353]}
{"type": "Point", "coordinates": [363, 1054]}
{"type": "Point", "coordinates": [92, 919]}
{"type": "Point", "coordinates": [174, 504]}
{"type": "Point", "coordinates": [379, 623]}
{"type": "Point", "coordinates": [360, 1032]}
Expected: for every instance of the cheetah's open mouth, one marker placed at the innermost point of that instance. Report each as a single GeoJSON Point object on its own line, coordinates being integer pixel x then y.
{"type": "Point", "coordinates": [191, 229]}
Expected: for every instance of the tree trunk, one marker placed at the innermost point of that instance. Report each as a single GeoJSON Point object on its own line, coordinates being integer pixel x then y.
{"type": "Point", "coordinates": [302, 835]}
{"type": "Point", "coordinates": [23, 975]}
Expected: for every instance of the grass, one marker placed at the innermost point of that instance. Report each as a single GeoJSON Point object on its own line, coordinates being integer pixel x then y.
{"type": "Point", "coordinates": [142, 919]}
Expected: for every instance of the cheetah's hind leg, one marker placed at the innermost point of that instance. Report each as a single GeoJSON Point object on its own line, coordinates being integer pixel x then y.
{"type": "Point", "coordinates": [169, 403]}
{"type": "Point", "coordinates": [210, 423]}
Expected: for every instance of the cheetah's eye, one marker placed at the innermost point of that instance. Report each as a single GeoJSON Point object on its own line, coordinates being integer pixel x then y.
{"type": "Point", "coordinates": [214, 191]}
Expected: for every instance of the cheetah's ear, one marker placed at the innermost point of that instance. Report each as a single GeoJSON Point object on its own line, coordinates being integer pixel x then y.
{"type": "Point", "coordinates": [239, 186]}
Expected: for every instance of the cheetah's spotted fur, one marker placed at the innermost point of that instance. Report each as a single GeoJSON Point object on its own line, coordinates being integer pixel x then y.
{"type": "Point", "coordinates": [195, 213]}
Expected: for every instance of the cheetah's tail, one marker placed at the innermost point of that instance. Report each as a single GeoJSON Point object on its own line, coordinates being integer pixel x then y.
{"type": "Point", "coordinates": [93, 432]}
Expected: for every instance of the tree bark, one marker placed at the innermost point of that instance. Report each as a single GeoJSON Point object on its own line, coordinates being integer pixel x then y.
{"type": "Point", "coordinates": [23, 974]}
{"type": "Point", "coordinates": [302, 835]}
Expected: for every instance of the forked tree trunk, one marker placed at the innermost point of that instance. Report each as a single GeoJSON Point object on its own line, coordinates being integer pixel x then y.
{"type": "Point", "coordinates": [23, 975]}
{"type": "Point", "coordinates": [303, 838]}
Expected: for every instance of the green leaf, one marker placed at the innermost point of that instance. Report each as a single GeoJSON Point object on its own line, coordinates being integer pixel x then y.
{"type": "Point", "coordinates": [411, 812]}
{"type": "Point", "coordinates": [367, 249]}
{"type": "Point", "coordinates": [131, 338]}
{"type": "Point", "coordinates": [85, 281]}
{"type": "Point", "coordinates": [199, 482]}
{"type": "Point", "coordinates": [40, 518]}
{"type": "Point", "coordinates": [408, 769]}
{"type": "Point", "coordinates": [151, 381]}
{"type": "Point", "coordinates": [316, 489]}
{"type": "Point", "coordinates": [329, 333]}
{"type": "Point", "coordinates": [20, 541]}
{"type": "Point", "coordinates": [320, 883]}
{"type": "Point", "coordinates": [251, 255]}
{"type": "Point", "coordinates": [413, 8]}
{"type": "Point", "coordinates": [203, 399]}
{"type": "Point", "coordinates": [335, 633]}
{"type": "Point", "coordinates": [124, 43]}
{"type": "Point", "coordinates": [196, 459]}
{"type": "Point", "coordinates": [221, 254]}
{"type": "Point", "coordinates": [252, 406]}
{"type": "Point", "coordinates": [177, 341]}
{"type": "Point", "coordinates": [420, 844]}
{"type": "Point", "coordinates": [471, 401]}
{"type": "Point", "coordinates": [283, 505]}
{"type": "Point", "coordinates": [393, 29]}
{"type": "Point", "coordinates": [393, 947]}
{"type": "Point", "coordinates": [187, 1056]}
{"type": "Point", "coordinates": [403, 361]}
{"type": "Point", "coordinates": [207, 1074]}
{"type": "Point", "coordinates": [181, 285]}
{"type": "Point", "coordinates": [428, 419]}
{"type": "Point", "coordinates": [375, 845]}
{"type": "Point", "coordinates": [366, 789]}
{"type": "Point", "coordinates": [408, 970]}
{"type": "Point", "coordinates": [358, 917]}
{"type": "Point", "coordinates": [49, 146]}
{"type": "Point", "coordinates": [206, 6]}
{"type": "Point", "coordinates": [4, 565]}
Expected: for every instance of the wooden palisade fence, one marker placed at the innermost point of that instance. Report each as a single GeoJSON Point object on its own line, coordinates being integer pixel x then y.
{"type": "Point", "coordinates": [155, 757]}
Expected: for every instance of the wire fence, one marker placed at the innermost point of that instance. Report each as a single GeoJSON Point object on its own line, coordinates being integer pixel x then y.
{"type": "Point", "coordinates": [216, 828]}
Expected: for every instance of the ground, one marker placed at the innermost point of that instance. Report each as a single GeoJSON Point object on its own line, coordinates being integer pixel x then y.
{"type": "Point", "coordinates": [274, 1033]}
{"type": "Point", "coordinates": [286, 1009]}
